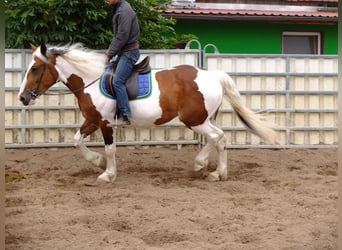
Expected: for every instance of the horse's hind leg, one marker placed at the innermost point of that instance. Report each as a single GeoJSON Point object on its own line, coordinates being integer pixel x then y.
{"type": "Point", "coordinates": [215, 139]}
{"type": "Point", "coordinates": [202, 159]}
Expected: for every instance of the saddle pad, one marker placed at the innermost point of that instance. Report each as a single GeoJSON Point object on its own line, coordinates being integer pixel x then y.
{"type": "Point", "coordinates": [144, 86]}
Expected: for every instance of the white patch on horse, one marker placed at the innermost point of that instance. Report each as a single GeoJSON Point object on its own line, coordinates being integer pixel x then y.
{"type": "Point", "coordinates": [146, 111]}
{"type": "Point", "coordinates": [66, 72]}
{"type": "Point", "coordinates": [211, 89]}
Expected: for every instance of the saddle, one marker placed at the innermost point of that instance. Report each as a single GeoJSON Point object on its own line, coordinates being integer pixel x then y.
{"type": "Point", "coordinates": [132, 83]}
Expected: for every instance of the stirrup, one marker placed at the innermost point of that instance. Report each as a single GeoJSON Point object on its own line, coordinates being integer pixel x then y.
{"type": "Point", "coordinates": [118, 122]}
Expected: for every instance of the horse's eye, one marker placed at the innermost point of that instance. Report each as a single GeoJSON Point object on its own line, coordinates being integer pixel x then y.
{"type": "Point", "coordinates": [34, 69]}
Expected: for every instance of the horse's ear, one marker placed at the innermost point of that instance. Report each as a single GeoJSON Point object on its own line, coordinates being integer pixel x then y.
{"type": "Point", "coordinates": [43, 49]}
{"type": "Point", "coordinates": [33, 47]}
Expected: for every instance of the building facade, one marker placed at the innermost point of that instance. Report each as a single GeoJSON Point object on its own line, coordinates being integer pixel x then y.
{"type": "Point", "coordinates": [260, 27]}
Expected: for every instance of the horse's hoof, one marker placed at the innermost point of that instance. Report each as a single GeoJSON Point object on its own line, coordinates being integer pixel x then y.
{"type": "Point", "coordinates": [223, 177]}
{"type": "Point", "coordinates": [105, 177]}
{"type": "Point", "coordinates": [214, 176]}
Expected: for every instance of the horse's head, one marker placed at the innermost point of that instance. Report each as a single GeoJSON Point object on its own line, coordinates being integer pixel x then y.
{"type": "Point", "coordinates": [40, 75]}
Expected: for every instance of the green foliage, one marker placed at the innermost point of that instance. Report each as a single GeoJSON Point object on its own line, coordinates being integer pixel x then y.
{"type": "Point", "coordinates": [56, 21]}
{"type": "Point", "coordinates": [156, 30]}
{"type": "Point", "coordinates": [87, 21]}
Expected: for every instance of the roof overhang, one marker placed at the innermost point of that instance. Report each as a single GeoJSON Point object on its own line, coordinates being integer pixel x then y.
{"type": "Point", "coordinates": [261, 13]}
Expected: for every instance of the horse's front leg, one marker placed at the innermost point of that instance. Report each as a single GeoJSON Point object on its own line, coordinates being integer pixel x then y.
{"type": "Point", "coordinates": [109, 175]}
{"type": "Point", "coordinates": [94, 157]}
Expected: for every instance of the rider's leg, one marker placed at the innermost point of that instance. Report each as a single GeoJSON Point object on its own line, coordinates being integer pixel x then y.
{"type": "Point", "coordinates": [124, 68]}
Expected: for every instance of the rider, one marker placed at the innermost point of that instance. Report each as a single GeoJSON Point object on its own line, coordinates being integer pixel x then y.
{"type": "Point", "coordinates": [124, 45]}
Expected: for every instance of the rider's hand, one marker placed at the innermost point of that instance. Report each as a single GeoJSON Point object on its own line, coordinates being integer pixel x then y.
{"type": "Point", "coordinates": [107, 58]}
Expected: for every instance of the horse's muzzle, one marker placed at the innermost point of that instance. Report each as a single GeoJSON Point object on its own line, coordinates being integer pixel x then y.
{"type": "Point", "coordinates": [27, 99]}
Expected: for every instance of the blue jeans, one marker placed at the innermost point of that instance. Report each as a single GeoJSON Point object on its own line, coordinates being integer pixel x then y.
{"type": "Point", "coordinates": [125, 62]}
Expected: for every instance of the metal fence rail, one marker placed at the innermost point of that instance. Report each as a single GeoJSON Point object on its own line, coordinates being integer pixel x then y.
{"type": "Point", "coordinates": [306, 87]}
{"type": "Point", "coordinates": [298, 93]}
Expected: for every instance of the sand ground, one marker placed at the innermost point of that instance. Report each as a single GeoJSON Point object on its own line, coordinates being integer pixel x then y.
{"type": "Point", "coordinates": [273, 199]}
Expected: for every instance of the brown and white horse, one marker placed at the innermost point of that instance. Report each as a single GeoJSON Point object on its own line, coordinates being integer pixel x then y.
{"type": "Point", "coordinates": [192, 94]}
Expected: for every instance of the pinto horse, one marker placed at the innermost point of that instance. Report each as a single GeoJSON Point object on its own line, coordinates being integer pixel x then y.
{"type": "Point", "coordinates": [192, 94]}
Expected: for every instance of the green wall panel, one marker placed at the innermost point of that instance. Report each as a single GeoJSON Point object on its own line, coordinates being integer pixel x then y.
{"type": "Point", "coordinates": [252, 38]}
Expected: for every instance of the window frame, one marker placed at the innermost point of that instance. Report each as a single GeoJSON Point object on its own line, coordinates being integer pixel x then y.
{"type": "Point", "coordinates": [304, 34]}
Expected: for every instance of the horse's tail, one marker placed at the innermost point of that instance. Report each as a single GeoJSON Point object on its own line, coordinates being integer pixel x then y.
{"type": "Point", "coordinates": [248, 117]}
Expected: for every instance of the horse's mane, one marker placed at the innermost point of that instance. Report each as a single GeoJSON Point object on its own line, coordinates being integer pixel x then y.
{"type": "Point", "coordinates": [89, 62]}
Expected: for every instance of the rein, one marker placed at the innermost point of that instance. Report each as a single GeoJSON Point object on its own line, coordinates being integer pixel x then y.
{"type": "Point", "coordinates": [72, 91]}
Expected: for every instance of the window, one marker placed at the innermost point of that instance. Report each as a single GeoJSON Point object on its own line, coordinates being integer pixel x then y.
{"type": "Point", "coordinates": [301, 43]}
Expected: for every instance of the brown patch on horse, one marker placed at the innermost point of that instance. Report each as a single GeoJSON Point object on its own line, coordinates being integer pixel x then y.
{"type": "Point", "coordinates": [93, 118]}
{"type": "Point", "coordinates": [179, 95]}
{"type": "Point", "coordinates": [42, 73]}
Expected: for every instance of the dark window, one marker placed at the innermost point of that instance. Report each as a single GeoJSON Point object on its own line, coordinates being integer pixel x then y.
{"type": "Point", "coordinates": [301, 43]}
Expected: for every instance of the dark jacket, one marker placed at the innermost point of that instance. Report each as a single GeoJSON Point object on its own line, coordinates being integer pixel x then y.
{"type": "Point", "coordinates": [126, 29]}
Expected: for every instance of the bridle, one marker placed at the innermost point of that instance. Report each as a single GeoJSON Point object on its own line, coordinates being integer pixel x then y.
{"type": "Point", "coordinates": [35, 93]}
